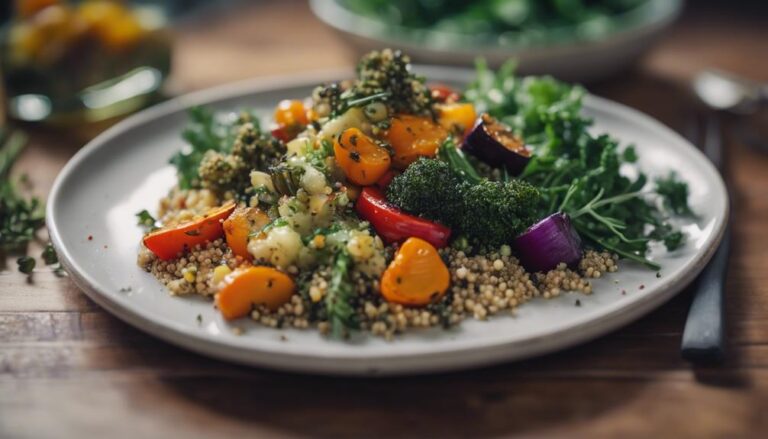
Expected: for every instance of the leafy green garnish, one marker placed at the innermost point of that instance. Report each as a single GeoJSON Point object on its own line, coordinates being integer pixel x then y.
{"type": "Point", "coordinates": [448, 152]}
{"type": "Point", "coordinates": [317, 156]}
{"type": "Point", "coordinates": [147, 220]}
{"type": "Point", "coordinates": [205, 132]}
{"type": "Point", "coordinates": [338, 299]}
{"type": "Point", "coordinates": [674, 193]}
{"type": "Point", "coordinates": [578, 172]}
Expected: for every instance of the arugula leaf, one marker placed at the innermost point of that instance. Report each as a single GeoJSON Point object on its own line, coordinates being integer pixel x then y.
{"type": "Point", "coordinates": [578, 172]}
{"type": "Point", "coordinates": [205, 132]}
{"type": "Point", "coordinates": [674, 193]}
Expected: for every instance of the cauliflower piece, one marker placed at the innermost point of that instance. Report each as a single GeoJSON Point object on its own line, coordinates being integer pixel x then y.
{"type": "Point", "coordinates": [280, 247]}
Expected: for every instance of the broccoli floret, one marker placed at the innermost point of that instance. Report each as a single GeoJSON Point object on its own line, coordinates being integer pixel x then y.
{"type": "Point", "coordinates": [258, 151]}
{"type": "Point", "coordinates": [488, 212]}
{"type": "Point", "coordinates": [390, 71]}
{"type": "Point", "coordinates": [382, 76]}
{"type": "Point", "coordinates": [428, 188]}
{"type": "Point", "coordinates": [221, 172]}
{"type": "Point", "coordinates": [252, 150]}
{"type": "Point", "coordinates": [496, 212]}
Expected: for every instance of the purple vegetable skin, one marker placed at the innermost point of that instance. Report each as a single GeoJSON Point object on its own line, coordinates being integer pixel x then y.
{"type": "Point", "coordinates": [548, 243]}
{"type": "Point", "coordinates": [495, 144]}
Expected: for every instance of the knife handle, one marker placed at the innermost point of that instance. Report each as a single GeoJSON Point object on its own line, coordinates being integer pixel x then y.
{"type": "Point", "coordinates": [704, 334]}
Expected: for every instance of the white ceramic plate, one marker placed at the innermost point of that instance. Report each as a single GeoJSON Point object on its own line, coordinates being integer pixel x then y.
{"type": "Point", "coordinates": [573, 60]}
{"type": "Point", "coordinates": [125, 170]}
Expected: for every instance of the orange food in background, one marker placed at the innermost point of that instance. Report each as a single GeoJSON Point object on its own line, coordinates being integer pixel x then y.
{"type": "Point", "coordinates": [238, 226]}
{"type": "Point", "coordinates": [167, 243]}
{"type": "Point", "coordinates": [116, 26]}
{"type": "Point", "coordinates": [50, 29]}
{"type": "Point", "coordinates": [290, 113]}
{"type": "Point", "coordinates": [412, 137]}
{"type": "Point", "coordinates": [28, 8]}
{"type": "Point", "coordinates": [249, 287]}
{"type": "Point", "coordinates": [361, 159]}
{"type": "Point", "coordinates": [416, 276]}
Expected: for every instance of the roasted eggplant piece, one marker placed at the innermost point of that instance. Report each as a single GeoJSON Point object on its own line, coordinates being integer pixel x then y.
{"type": "Point", "coordinates": [494, 143]}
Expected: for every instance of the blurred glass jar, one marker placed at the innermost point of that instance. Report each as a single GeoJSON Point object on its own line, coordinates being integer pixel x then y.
{"type": "Point", "coordinates": [69, 62]}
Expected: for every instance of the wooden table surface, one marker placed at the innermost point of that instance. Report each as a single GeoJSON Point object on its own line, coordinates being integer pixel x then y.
{"type": "Point", "coordinates": [69, 369]}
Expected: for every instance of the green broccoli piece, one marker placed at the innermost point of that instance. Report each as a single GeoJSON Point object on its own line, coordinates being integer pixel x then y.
{"type": "Point", "coordinates": [382, 76]}
{"type": "Point", "coordinates": [257, 150]}
{"type": "Point", "coordinates": [487, 212]}
{"type": "Point", "coordinates": [389, 71]}
{"type": "Point", "coordinates": [427, 188]}
{"type": "Point", "coordinates": [494, 212]}
{"type": "Point", "coordinates": [252, 150]}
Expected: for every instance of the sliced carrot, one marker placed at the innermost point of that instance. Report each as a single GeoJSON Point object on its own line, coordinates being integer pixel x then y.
{"type": "Point", "coordinates": [361, 159]}
{"type": "Point", "coordinates": [239, 226]}
{"type": "Point", "coordinates": [412, 137]}
{"type": "Point", "coordinates": [252, 286]}
{"type": "Point", "coordinates": [458, 118]}
{"type": "Point", "coordinates": [169, 242]}
{"type": "Point", "coordinates": [416, 276]}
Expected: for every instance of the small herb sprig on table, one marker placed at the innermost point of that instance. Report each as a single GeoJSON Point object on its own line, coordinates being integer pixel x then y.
{"type": "Point", "coordinates": [20, 217]}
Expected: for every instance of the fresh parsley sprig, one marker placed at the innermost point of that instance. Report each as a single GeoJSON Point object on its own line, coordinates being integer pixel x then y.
{"type": "Point", "coordinates": [20, 217]}
{"type": "Point", "coordinates": [341, 292]}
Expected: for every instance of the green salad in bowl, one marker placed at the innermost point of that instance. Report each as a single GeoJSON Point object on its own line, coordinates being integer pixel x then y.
{"type": "Point", "coordinates": [508, 21]}
{"type": "Point", "coordinates": [571, 39]}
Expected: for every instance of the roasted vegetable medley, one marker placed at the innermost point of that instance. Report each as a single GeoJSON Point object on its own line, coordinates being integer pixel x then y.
{"type": "Point", "coordinates": [387, 202]}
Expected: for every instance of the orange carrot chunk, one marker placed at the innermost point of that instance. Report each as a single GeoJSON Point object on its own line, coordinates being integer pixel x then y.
{"type": "Point", "coordinates": [416, 276]}
{"type": "Point", "coordinates": [167, 243]}
{"type": "Point", "coordinates": [239, 226]}
{"type": "Point", "coordinates": [253, 286]}
{"type": "Point", "coordinates": [361, 159]}
{"type": "Point", "coordinates": [412, 137]}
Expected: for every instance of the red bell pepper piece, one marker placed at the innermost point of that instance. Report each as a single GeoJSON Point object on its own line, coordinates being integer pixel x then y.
{"type": "Point", "coordinates": [286, 133]}
{"type": "Point", "coordinates": [442, 93]}
{"type": "Point", "coordinates": [386, 179]}
{"type": "Point", "coordinates": [394, 225]}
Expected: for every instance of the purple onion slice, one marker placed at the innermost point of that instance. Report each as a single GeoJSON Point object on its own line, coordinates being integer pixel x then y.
{"type": "Point", "coordinates": [494, 143]}
{"type": "Point", "coordinates": [548, 243]}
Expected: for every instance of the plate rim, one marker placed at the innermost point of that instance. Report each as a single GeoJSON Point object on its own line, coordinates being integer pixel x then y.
{"type": "Point", "coordinates": [462, 355]}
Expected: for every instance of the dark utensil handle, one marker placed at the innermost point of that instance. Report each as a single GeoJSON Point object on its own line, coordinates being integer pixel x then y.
{"type": "Point", "coordinates": [703, 337]}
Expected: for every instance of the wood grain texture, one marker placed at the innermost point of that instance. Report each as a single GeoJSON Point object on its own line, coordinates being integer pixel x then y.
{"type": "Point", "coordinates": [70, 370]}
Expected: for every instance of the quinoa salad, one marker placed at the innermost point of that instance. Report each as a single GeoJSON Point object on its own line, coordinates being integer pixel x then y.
{"type": "Point", "coordinates": [387, 202]}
